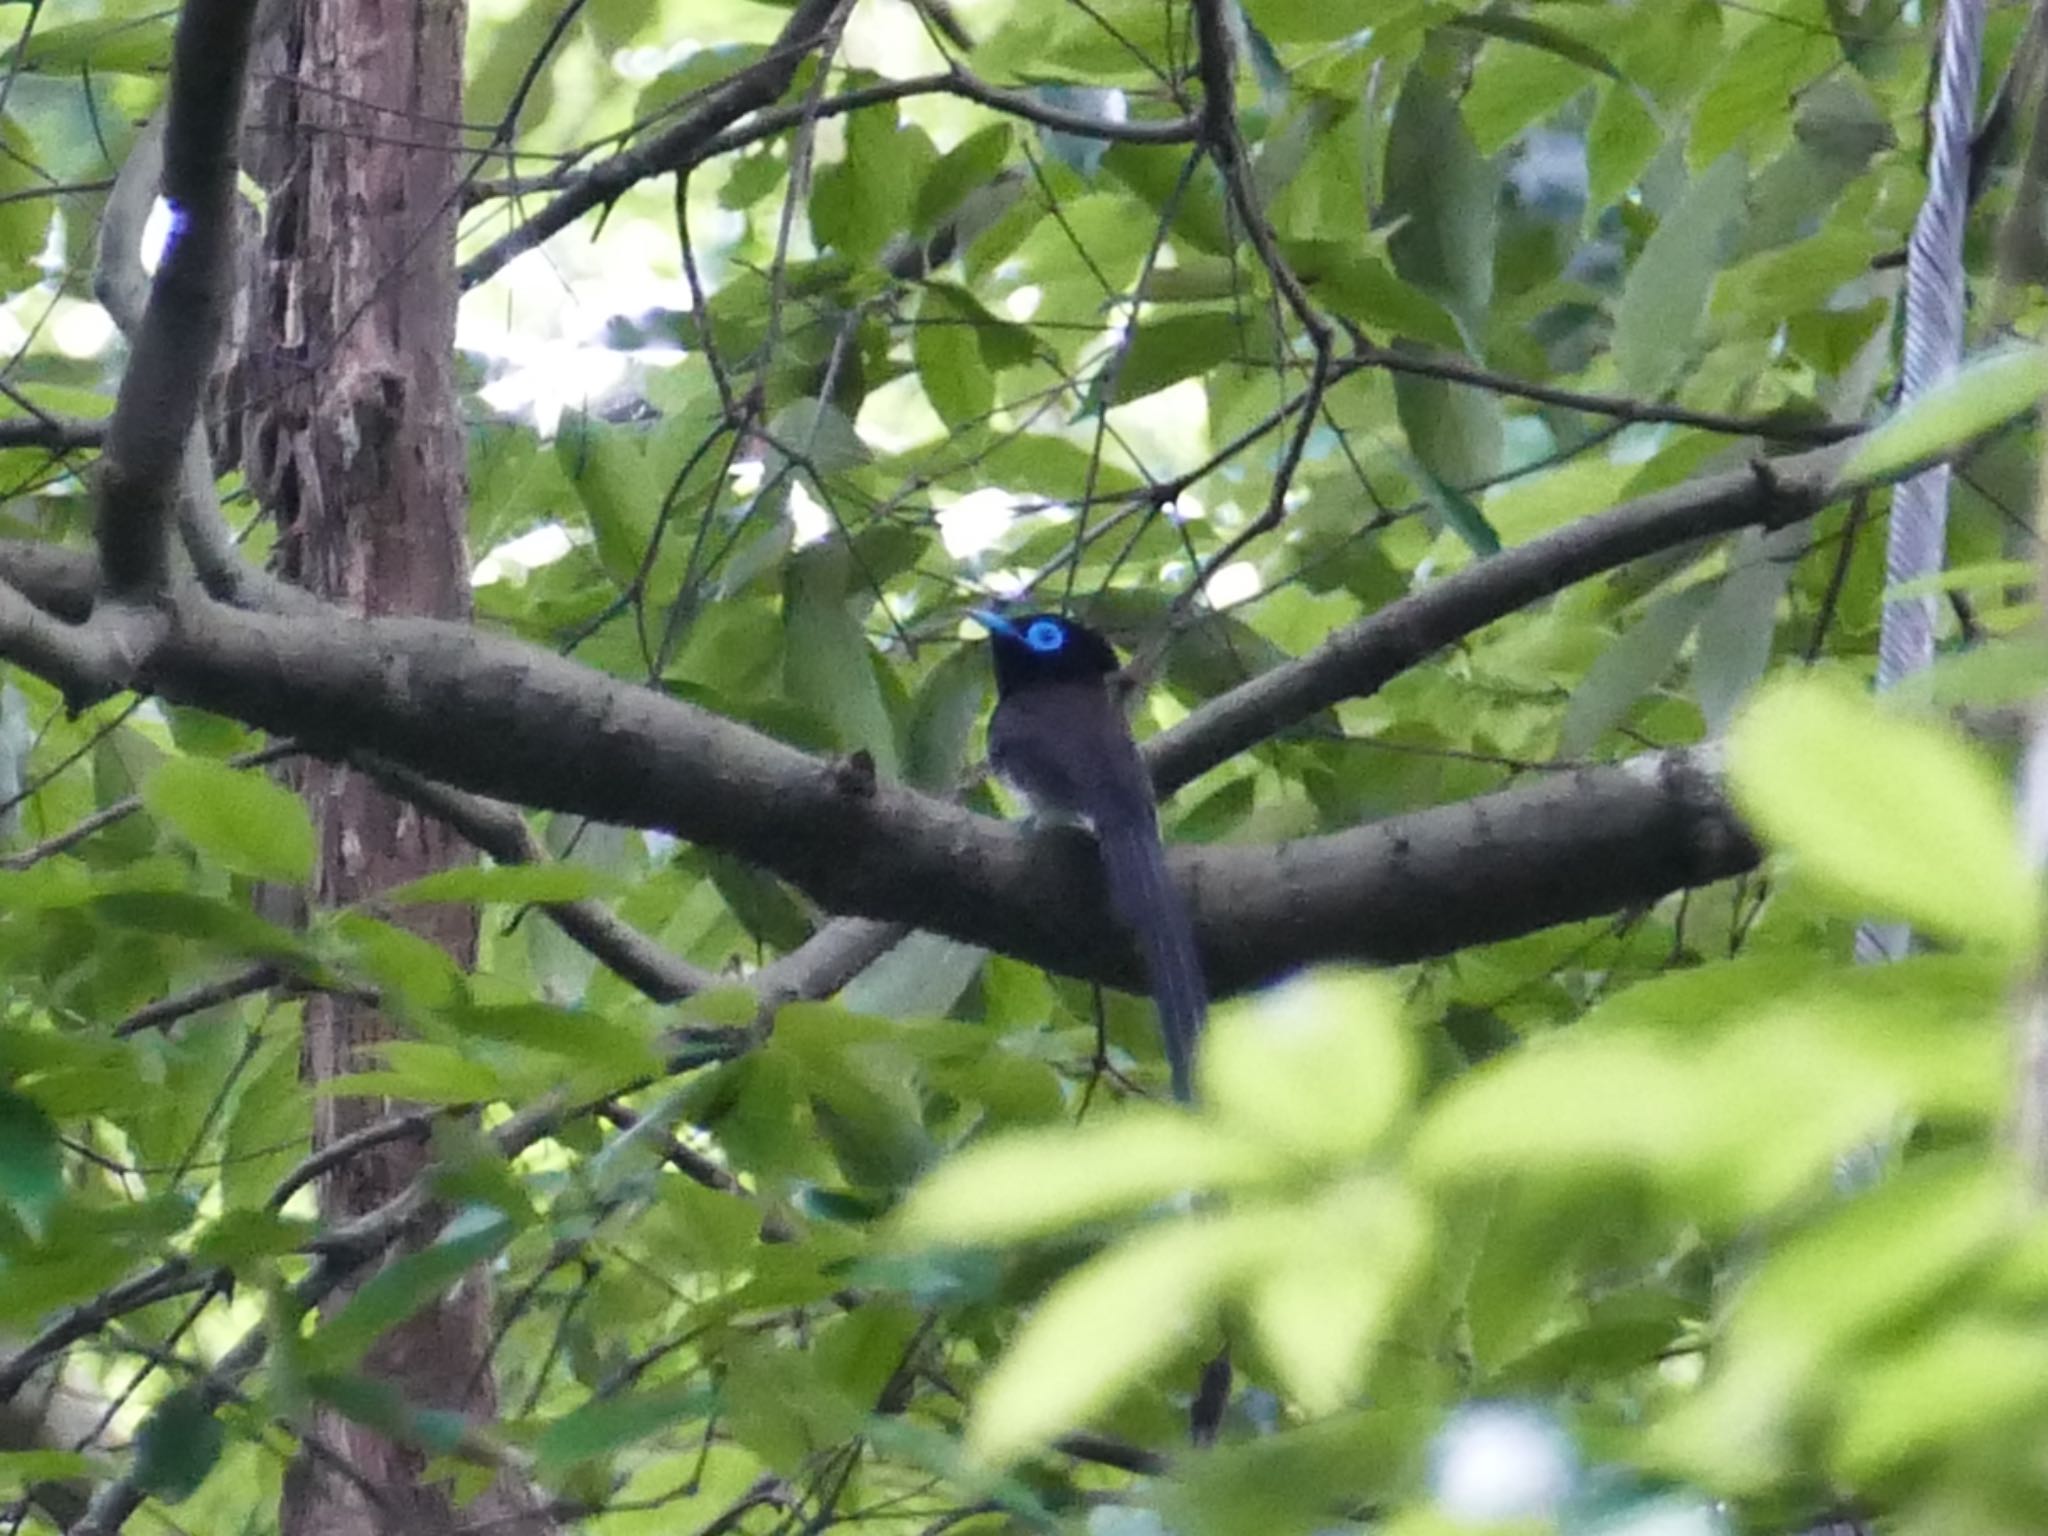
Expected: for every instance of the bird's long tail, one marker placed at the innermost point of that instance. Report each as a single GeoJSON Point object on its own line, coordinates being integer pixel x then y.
{"type": "Point", "coordinates": [1145, 897]}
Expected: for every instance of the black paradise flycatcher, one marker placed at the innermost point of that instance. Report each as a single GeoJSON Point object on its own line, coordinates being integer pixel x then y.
{"type": "Point", "coordinates": [1059, 737]}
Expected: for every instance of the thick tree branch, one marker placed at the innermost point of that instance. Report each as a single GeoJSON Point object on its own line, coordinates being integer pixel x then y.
{"type": "Point", "coordinates": [118, 279]}
{"type": "Point", "coordinates": [1363, 657]}
{"type": "Point", "coordinates": [180, 326]}
{"type": "Point", "coordinates": [490, 714]}
{"type": "Point", "coordinates": [87, 661]}
{"type": "Point", "coordinates": [58, 434]}
{"type": "Point", "coordinates": [123, 288]}
{"type": "Point", "coordinates": [62, 582]}
{"type": "Point", "coordinates": [827, 960]}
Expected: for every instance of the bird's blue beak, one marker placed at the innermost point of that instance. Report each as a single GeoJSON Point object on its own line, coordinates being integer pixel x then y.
{"type": "Point", "coordinates": [992, 621]}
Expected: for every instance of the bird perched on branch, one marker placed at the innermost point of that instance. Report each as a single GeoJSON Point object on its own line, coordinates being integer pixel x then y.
{"type": "Point", "coordinates": [1060, 739]}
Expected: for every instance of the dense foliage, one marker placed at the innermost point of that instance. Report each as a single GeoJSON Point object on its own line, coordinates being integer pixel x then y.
{"type": "Point", "coordinates": [1224, 348]}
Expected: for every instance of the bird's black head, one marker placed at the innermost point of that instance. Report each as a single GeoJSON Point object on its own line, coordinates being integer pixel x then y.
{"type": "Point", "coordinates": [1032, 648]}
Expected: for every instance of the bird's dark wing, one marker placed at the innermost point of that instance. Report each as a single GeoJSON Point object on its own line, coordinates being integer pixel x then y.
{"type": "Point", "coordinates": [1068, 748]}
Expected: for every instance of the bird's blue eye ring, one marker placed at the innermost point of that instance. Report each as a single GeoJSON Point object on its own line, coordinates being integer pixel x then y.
{"type": "Point", "coordinates": [1045, 635]}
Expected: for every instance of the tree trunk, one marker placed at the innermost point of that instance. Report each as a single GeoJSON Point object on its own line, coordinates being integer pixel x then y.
{"type": "Point", "coordinates": [351, 439]}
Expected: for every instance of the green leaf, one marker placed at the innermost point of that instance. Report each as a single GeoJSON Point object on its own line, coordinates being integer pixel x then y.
{"type": "Point", "coordinates": [1827, 1300]}
{"type": "Point", "coordinates": [1203, 279]}
{"type": "Point", "coordinates": [1363, 288]}
{"type": "Point", "coordinates": [1302, 21]}
{"type": "Point", "coordinates": [860, 1351]}
{"type": "Point", "coordinates": [269, 1127]}
{"type": "Point", "coordinates": [1521, 80]}
{"type": "Point", "coordinates": [1983, 396]}
{"type": "Point", "coordinates": [200, 733]}
{"type": "Point", "coordinates": [1620, 142]}
{"type": "Point", "coordinates": [1303, 125]}
{"type": "Point", "coordinates": [859, 202]}
{"type": "Point", "coordinates": [45, 887]}
{"type": "Point", "coordinates": [947, 350]}
{"type": "Point", "coordinates": [1101, 1328]}
{"type": "Point", "coordinates": [180, 914]}
{"type": "Point", "coordinates": [116, 44]}
{"type": "Point", "coordinates": [413, 970]}
{"type": "Point", "coordinates": [383, 1406]}
{"type": "Point", "coordinates": [1736, 631]}
{"type": "Point", "coordinates": [1340, 1267]}
{"type": "Point", "coordinates": [819, 433]}
{"type": "Point", "coordinates": [769, 911]}
{"type": "Point", "coordinates": [1001, 343]}
{"type": "Point", "coordinates": [779, 1407]}
{"type": "Point", "coordinates": [1636, 662]}
{"type": "Point", "coordinates": [1900, 816]}
{"type": "Point", "coordinates": [752, 178]}
{"type": "Point", "coordinates": [1165, 349]}
{"type": "Point", "coordinates": [1455, 432]}
{"type": "Point", "coordinates": [1035, 1182]}
{"type": "Point", "coordinates": [2012, 670]}
{"type": "Point", "coordinates": [923, 975]}
{"type": "Point", "coordinates": [432, 1074]}
{"type": "Point", "coordinates": [238, 817]}
{"type": "Point", "coordinates": [1758, 294]}
{"type": "Point", "coordinates": [590, 1039]}
{"type": "Point", "coordinates": [1969, 1380]}
{"type": "Point", "coordinates": [760, 554]}
{"type": "Point", "coordinates": [687, 78]}
{"type": "Point", "coordinates": [1318, 1069]}
{"type": "Point", "coordinates": [1584, 1109]}
{"type": "Point", "coordinates": [19, 1470]}
{"type": "Point", "coordinates": [1665, 295]}
{"type": "Point", "coordinates": [31, 1162]}
{"type": "Point", "coordinates": [1979, 576]}
{"type": "Point", "coordinates": [966, 167]}
{"type": "Point", "coordinates": [177, 1446]}
{"type": "Point", "coordinates": [409, 1283]}
{"type": "Point", "coordinates": [1460, 513]}
{"type": "Point", "coordinates": [1445, 194]}
{"type": "Point", "coordinates": [610, 1424]}
{"type": "Point", "coordinates": [827, 662]}
{"type": "Point", "coordinates": [240, 1236]}
{"type": "Point", "coordinates": [1872, 1262]}
{"type": "Point", "coordinates": [1536, 35]}
{"type": "Point", "coordinates": [1160, 177]}
{"type": "Point", "coordinates": [1800, 1083]}
{"type": "Point", "coordinates": [1286, 1482]}
{"type": "Point", "coordinates": [515, 884]}
{"type": "Point", "coordinates": [942, 719]}
{"type": "Point", "coordinates": [863, 1093]}
{"type": "Point", "coordinates": [606, 462]}
{"type": "Point", "coordinates": [1745, 106]}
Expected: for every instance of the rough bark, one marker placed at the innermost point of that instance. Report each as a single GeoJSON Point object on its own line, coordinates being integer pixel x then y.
{"type": "Point", "coordinates": [350, 430]}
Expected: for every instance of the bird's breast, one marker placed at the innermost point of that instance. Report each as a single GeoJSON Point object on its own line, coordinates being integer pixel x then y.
{"type": "Point", "coordinates": [1067, 749]}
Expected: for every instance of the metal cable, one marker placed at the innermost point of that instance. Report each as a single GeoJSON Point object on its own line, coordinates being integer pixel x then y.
{"type": "Point", "coordinates": [1917, 538]}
